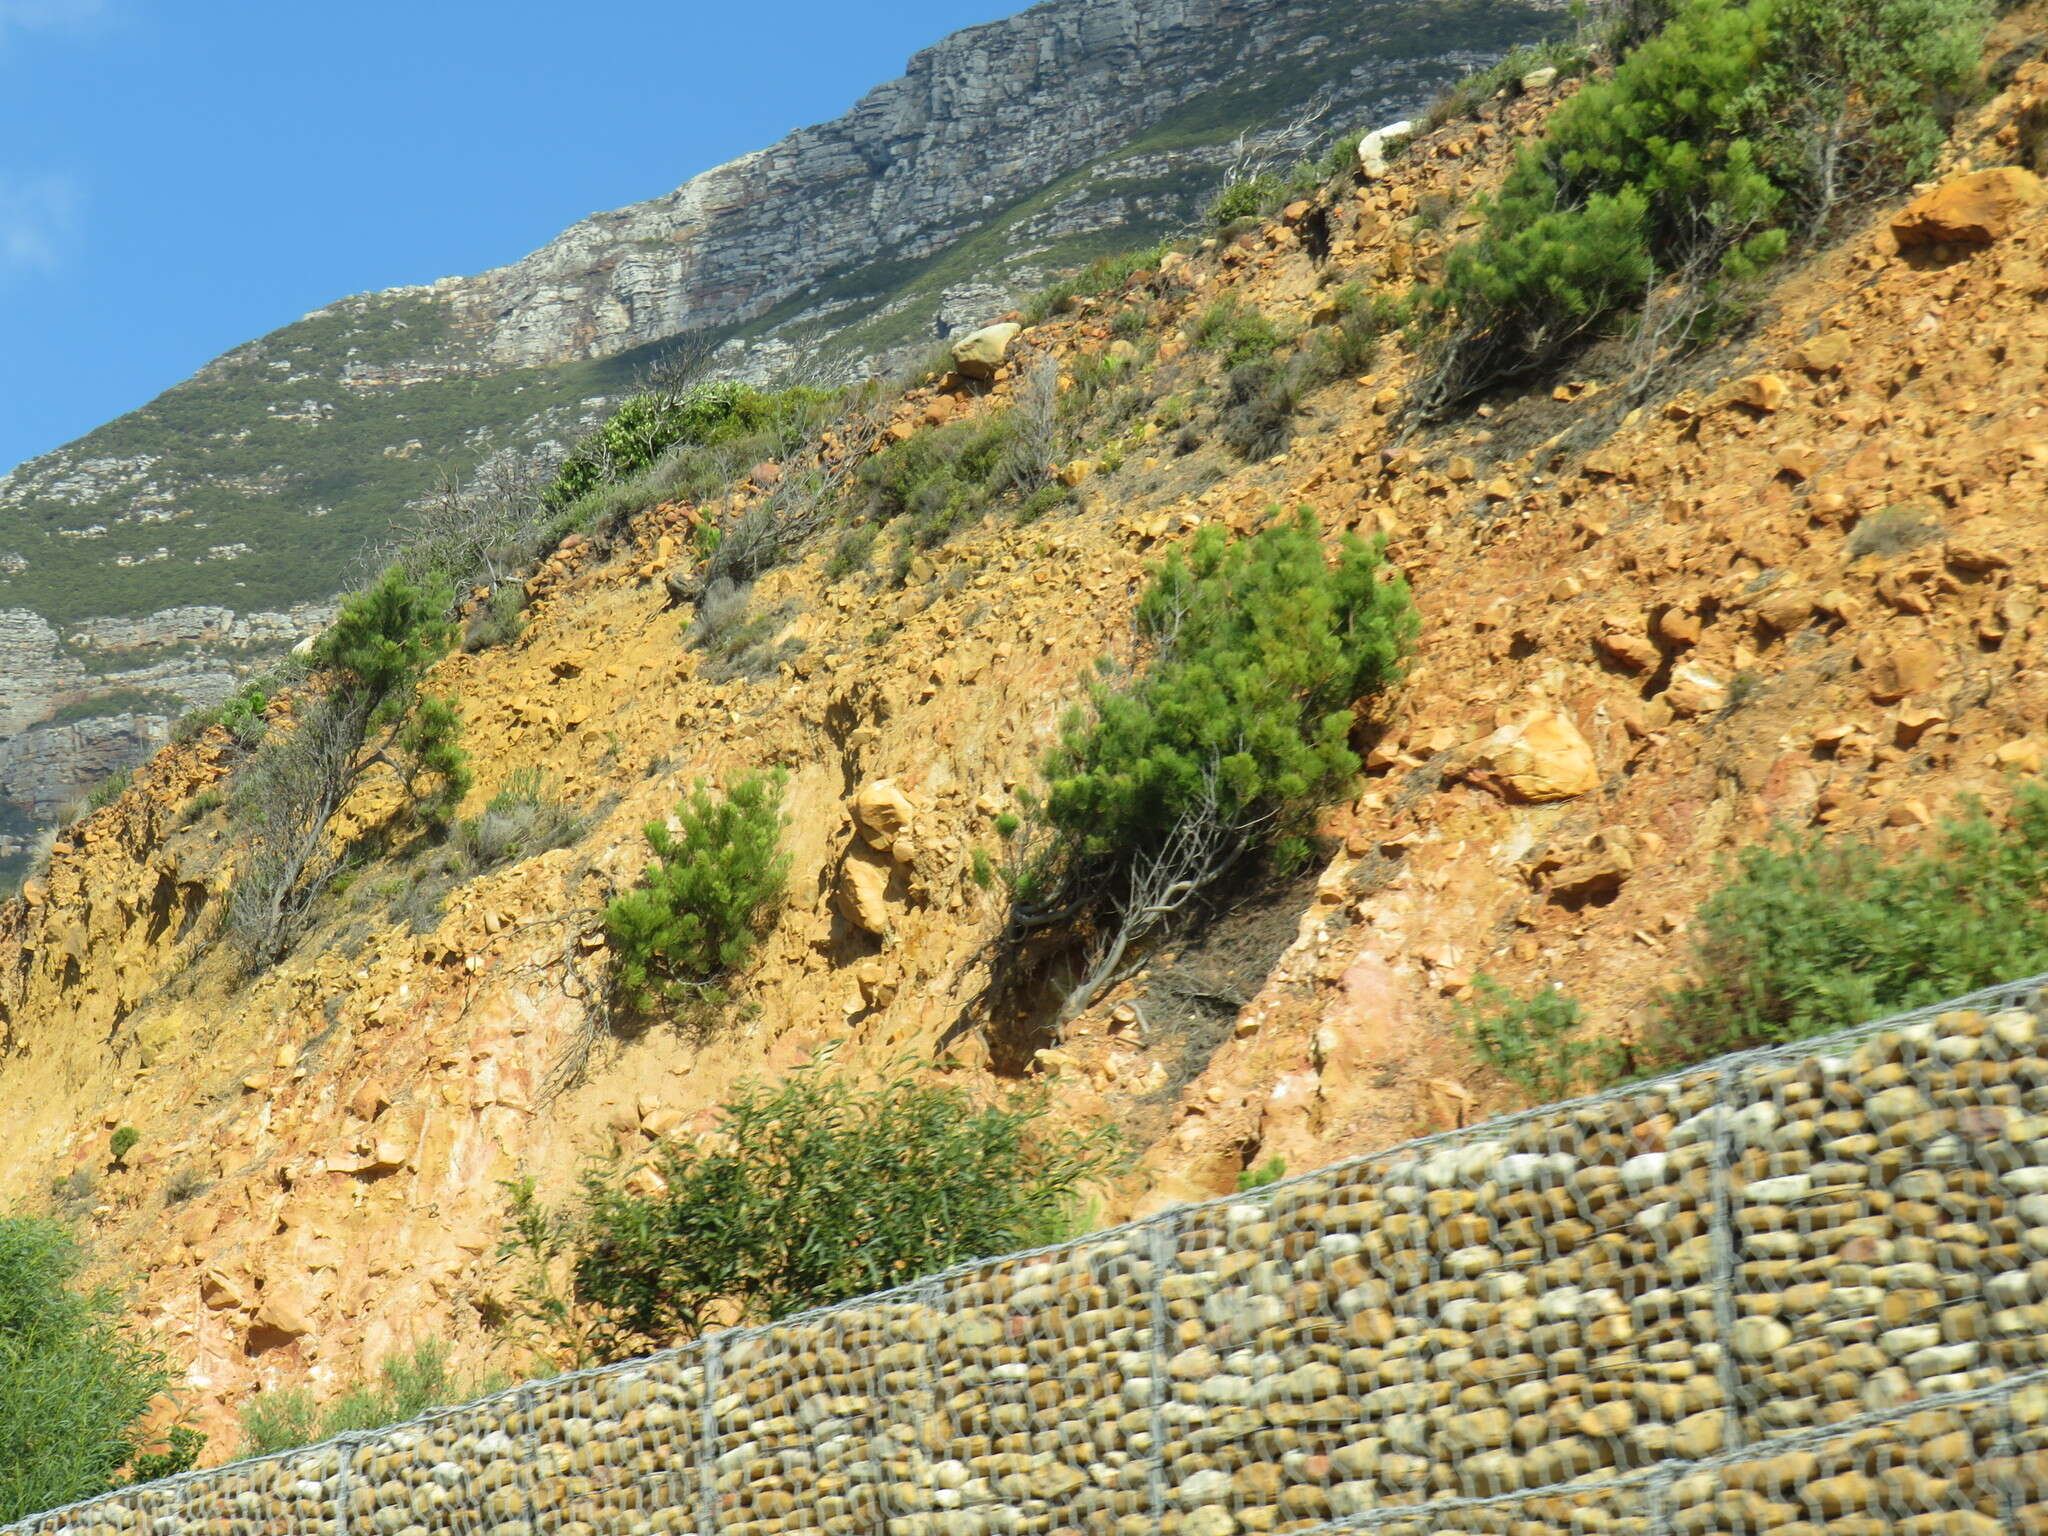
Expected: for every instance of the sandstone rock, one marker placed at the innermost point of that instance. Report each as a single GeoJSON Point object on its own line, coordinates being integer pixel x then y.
{"type": "Point", "coordinates": [1694, 690]}
{"type": "Point", "coordinates": [882, 813]}
{"type": "Point", "coordinates": [862, 891]}
{"type": "Point", "coordinates": [1784, 610]}
{"type": "Point", "coordinates": [1542, 758]}
{"type": "Point", "coordinates": [1827, 352]}
{"type": "Point", "coordinates": [1973, 209]}
{"type": "Point", "coordinates": [1622, 639]}
{"type": "Point", "coordinates": [1908, 668]}
{"type": "Point", "coordinates": [1759, 391]}
{"type": "Point", "coordinates": [980, 353]}
{"type": "Point", "coordinates": [1539, 80]}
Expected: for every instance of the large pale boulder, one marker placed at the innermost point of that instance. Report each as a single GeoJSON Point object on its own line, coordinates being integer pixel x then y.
{"type": "Point", "coordinates": [980, 353]}
{"type": "Point", "coordinates": [1372, 149]}
{"type": "Point", "coordinates": [1543, 757]}
{"type": "Point", "coordinates": [882, 812]}
{"type": "Point", "coordinates": [1974, 209]}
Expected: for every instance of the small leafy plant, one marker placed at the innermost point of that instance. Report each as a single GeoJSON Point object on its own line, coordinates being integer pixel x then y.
{"type": "Point", "coordinates": [1538, 1042]}
{"type": "Point", "coordinates": [704, 903]}
{"type": "Point", "coordinates": [813, 1190]}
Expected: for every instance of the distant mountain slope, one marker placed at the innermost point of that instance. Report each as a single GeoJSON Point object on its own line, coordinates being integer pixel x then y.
{"type": "Point", "coordinates": [1005, 151]}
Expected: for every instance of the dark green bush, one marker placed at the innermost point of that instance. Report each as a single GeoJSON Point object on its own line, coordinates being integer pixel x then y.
{"type": "Point", "coordinates": [944, 478]}
{"type": "Point", "coordinates": [1106, 274]}
{"type": "Point", "coordinates": [1250, 197]}
{"type": "Point", "coordinates": [703, 905]}
{"type": "Point", "coordinates": [1260, 402]}
{"type": "Point", "coordinates": [109, 789]}
{"type": "Point", "coordinates": [368, 712]}
{"type": "Point", "coordinates": [1238, 332]}
{"type": "Point", "coordinates": [650, 425]}
{"type": "Point", "coordinates": [1538, 1042]}
{"type": "Point", "coordinates": [1247, 198]}
{"type": "Point", "coordinates": [1714, 143]}
{"type": "Point", "coordinates": [1260, 648]}
{"type": "Point", "coordinates": [815, 1189]}
{"type": "Point", "coordinates": [498, 620]}
{"type": "Point", "coordinates": [123, 1143]}
{"type": "Point", "coordinates": [1505, 74]}
{"type": "Point", "coordinates": [1254, 653]}
{"type": "Point", "coordinates": [1351, 345]}
{"type": "Point", "coordinates": [1813, 934]}
{"type": "Point", "coordinates": [241, 716]}
{"type": "Point", "coordinates": [75, 1380]}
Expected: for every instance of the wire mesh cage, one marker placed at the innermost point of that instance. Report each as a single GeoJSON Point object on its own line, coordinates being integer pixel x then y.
{"type": "Point", "coordinates": [1801, 1291]}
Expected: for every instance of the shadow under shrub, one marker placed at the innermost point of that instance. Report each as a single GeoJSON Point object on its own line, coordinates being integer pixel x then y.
{"type": "Point", "coordinates": [812, 1191]}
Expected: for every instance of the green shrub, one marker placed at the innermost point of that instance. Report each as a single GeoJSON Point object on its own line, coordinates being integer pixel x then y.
{"type": "Point", "coordinates": [815, 1189]}
{"type": "Point", "coordinates": [1237, 331]}
{"type": "Point", "coordinates": [1537, 1042]}
{"type": "Point", "coordinates": [520, 821]}
{"type": "Point", "coordinates": [123, 1143]}
{"type": "Point", "coordinates": [856, 547]}
{"type": "Point", "coordinates": [109, 789]}
{"type": "Point", "coordinates": [1271, 1171]}
{"type": "Point", "coordinates": [635, 436]}
{"type": "Point", "coordinates": [407, 1386]}
{"type": "Point", "coordinates": [944, 478]}
{"type": "Point", "coordinates": [1713, 143]}
{"type": "Point", "coordinates": [703, 905]}
{"type": "Point", "coordinates": [498, 620]}
{"type": "Point", "coordinates": [369, 713]}
{"type": "Point", "coordinates": [1351, 345]}
{"type": "Point", "coordinates": [1106, 274]}
{"type": "Point", "coordinates": [1247, 198]}
{"type": "Point", "coordinates": [75, 1380]}
{"type": "Point", "coordinates": [182, 1445]}
{"type": "Point", "coordinates": [1504, 74]}
{"type": "Point", "coordinates": [1260, 402]}
{"type": "Point", "coordinates": [241, 716]}
{"type": "Point", "coordinates": [1257, 650]}
{"type": "Point", "coordinates": [1812, 934]}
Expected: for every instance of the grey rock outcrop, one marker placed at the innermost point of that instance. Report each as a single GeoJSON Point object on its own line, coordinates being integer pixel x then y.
{"type": "Point", "coordinates": [923, 212]}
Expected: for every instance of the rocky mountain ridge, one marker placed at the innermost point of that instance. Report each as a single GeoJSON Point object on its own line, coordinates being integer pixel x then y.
{"type": "Point", "coordinates": [1004, 150]}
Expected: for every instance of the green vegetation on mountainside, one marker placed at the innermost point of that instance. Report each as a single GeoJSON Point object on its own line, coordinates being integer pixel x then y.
{"type": "Point", "coordinates": [237, 463]}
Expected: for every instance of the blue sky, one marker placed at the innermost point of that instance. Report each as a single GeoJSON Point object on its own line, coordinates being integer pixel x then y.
{"type": "Point", "coordinates": [178, 176]}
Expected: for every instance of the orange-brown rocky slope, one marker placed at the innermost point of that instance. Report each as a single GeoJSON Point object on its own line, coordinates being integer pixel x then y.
{"type": "Point", "coordinates": [1805, 588]}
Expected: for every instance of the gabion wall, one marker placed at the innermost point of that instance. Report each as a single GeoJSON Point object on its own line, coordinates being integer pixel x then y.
{"type": "Point", "coordinates": [1802, 1292]}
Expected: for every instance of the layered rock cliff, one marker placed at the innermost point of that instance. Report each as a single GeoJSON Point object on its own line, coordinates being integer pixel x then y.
{"type": "Point", "coordinates": [1004, 150]}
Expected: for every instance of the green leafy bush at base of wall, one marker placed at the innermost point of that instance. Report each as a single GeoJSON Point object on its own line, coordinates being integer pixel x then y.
{"type": "Point", "coordinates": [815, 1189]}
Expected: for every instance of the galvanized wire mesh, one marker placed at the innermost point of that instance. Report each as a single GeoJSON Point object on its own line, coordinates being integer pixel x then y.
{"type": "Point", "coordinates": [1802, 1291]}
